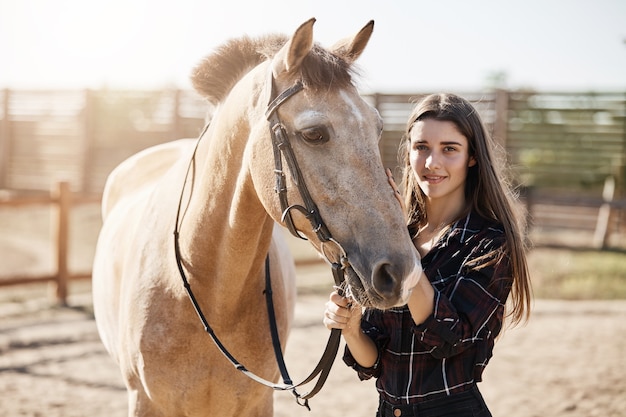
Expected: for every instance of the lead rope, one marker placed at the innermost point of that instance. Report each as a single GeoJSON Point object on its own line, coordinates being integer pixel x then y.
{"type": "Point", "coordinates": [190, 293]}
{"type": "Point", "coordinates": [330, 352]}
{"type": "Point", "coordinates": [194, 301]}
{"type": "Point", "coordinates": [325, 363]}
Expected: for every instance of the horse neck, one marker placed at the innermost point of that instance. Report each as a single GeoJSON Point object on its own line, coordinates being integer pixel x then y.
{"type": "Point", "coordinates": [227, 231]}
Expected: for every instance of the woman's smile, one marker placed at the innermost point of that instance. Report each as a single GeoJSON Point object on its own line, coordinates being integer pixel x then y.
{"type": "Point", "coordinates": [433, 179]}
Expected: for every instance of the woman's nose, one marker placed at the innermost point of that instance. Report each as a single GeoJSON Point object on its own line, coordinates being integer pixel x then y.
{"type": "Point", "coordinates": [432, 161]}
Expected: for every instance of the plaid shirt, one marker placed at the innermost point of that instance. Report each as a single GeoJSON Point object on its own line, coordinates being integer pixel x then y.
{"type": "Point", "coordinates": [446, 353]}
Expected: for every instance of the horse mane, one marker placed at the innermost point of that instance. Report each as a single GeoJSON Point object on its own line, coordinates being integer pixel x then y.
{"type": "Point", "coordinates": [216, 74]}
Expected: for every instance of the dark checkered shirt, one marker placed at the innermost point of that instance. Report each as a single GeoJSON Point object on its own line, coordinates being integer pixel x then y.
{"type": "Point", "coordinates": [446, 353]}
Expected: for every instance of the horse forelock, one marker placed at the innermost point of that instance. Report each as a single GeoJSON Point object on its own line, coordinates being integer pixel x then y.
{"type": "Point", "coordinates": [216, 74]}
{"type": "Point", "coordinates": [322, 69]}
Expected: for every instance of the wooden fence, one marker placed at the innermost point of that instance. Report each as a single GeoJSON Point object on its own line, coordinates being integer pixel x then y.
{"type": "Point", "coordinates": [61, 200]}
{"type": "Point", "coordinates": [79, 136]}
{"type": "Point", "coordinates": [570, 142]}
{"type": "Point", "coordinates": [562, 147]}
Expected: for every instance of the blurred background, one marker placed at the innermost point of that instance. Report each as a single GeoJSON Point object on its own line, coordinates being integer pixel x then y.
{"type": "Point", "coordinates": [85, 84]}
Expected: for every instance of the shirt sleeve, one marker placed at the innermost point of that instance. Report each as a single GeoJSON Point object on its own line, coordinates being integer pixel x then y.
{"type": "Point", "coordinates": [379, 339]}
{"type": "Point", "coordinates": [472, 310]}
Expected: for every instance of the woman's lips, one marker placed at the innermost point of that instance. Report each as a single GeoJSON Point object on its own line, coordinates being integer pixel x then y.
{"type": "Point", "coordinates": [433, 179]}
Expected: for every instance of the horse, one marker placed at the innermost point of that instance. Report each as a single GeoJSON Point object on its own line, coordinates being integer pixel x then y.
{"type": "Point", "coordinates": [214, 210]}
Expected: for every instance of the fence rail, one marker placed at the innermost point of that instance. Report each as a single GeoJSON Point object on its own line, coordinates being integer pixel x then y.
{"type": "Point", "coordinates": [62, 200]}
{"type": "Point", "coordinates": [600, 221]}
{"type": "Point", "coordinates": [570, 141]}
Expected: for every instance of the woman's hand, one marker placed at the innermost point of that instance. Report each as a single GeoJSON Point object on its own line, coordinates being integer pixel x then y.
{"type": "Point", "coordinates": [394, 187]}
{"type": "Point", "coordinates": [343, 313]}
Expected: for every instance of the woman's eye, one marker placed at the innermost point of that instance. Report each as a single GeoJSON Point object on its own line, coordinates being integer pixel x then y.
{"type": "Point", "coordinates": [314, 135]}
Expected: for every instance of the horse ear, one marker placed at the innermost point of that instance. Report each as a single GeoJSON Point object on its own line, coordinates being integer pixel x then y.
{"type": "Point", "coordinates": [351, 48]}
{"type": "Point", "coordinates": [291, 55]}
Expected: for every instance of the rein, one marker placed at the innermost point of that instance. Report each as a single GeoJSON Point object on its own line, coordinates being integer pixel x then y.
{"type": "Point", "coordinates": [282, 148]}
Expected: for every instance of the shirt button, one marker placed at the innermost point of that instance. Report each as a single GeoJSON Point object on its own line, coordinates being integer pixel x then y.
{"type": "Point", "coordinates": [397, 412]}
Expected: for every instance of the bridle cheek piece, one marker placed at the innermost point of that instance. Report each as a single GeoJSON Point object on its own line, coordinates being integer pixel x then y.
{"type": "Point", "coordinates": [283, 149]}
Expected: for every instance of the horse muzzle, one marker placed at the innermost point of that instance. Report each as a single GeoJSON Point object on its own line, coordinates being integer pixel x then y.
{"type": "Point", "coordinates": [384, 288]}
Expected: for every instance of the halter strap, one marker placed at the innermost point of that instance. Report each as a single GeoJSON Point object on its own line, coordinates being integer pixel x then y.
{"type": "Point", "coordinates": [282, 148]}
{"type": "Point", "coordinates": [282, 97]}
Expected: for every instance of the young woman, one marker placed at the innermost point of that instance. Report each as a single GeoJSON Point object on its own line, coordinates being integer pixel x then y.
{"type": "Point", "coordinates": [429, 355]}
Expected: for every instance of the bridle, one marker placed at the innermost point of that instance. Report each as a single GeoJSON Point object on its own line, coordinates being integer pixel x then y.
{"type": "Point", "coordinates": [282, 149]}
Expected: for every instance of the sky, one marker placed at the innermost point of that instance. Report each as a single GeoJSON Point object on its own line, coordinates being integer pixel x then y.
{"type": "Point", "coordinates": [417, 45]}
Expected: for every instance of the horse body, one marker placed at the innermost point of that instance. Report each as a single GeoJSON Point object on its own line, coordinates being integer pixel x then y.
{"type": "Point", "coordinates": [227, 228]}
{"type": "Point", "coordinates": [146, 320]}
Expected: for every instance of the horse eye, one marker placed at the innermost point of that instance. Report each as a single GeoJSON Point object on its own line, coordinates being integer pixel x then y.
{"type": "Point", "coordinates": [314, 135]}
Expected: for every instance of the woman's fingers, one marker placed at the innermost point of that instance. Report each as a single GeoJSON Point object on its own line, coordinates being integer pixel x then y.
{"type": "Point", "coordinates": [394, 188]}
{"type": "Point", "coordinates": [340, 300]}
{"type": "Point", "coordinates": [338, 313]}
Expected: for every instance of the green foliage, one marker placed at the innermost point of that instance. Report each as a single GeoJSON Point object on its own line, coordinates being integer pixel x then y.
{"type": "Point", "coordinates": [569, 141]}
{"type": "Point", "coordinates": [578, 274]}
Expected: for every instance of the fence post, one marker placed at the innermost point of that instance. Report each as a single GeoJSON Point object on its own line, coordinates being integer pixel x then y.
{"type": "Point", "coordinates": [500, 124]}
{"type": "Point", "coordinates": [89, 121]}
{"type": "Point", "coordinates": [62, 195]}
{"type": "Point", "coordinates": [177, 125]}
{"type": "Point", "coordinates": [5, 139]}
{"type": "Point", "coordinates": [603, 224]}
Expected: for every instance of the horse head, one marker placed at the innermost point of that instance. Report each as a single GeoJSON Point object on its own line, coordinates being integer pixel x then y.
{"type": "Point", "coordinates": [334, 191]}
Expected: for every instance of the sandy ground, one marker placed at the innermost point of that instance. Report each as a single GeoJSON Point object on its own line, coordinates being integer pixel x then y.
{"type": "Point", "coordinates": [567, 361]}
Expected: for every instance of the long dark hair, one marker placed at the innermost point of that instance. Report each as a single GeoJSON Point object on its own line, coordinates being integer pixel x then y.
{"type": "Point", "coordinates": [486, 189]}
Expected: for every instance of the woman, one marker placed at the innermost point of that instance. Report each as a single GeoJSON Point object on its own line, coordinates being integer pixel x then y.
{"type": "Point", "coordinates": [429, 355]}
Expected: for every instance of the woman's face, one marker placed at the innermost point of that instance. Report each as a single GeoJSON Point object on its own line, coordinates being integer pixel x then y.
{"type": "Point", "coordinates": [439, 157]}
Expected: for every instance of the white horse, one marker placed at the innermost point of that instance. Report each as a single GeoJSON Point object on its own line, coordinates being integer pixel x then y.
{"type": "Point", "coordinates": [229, 207]}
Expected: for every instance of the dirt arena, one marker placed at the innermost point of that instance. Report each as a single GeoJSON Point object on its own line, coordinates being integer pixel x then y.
{"type": "Point", "coordinates": [567, 361]}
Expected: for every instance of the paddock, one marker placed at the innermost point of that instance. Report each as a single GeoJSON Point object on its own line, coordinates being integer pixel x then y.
{"type": "Point", "coordinates": [567, 362]}
{"type": "Point", "coordinates": [52, 362]}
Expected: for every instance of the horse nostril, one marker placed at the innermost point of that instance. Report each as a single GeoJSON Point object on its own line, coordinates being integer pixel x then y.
{"type": "Point", "coordinates": [384, 281]}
